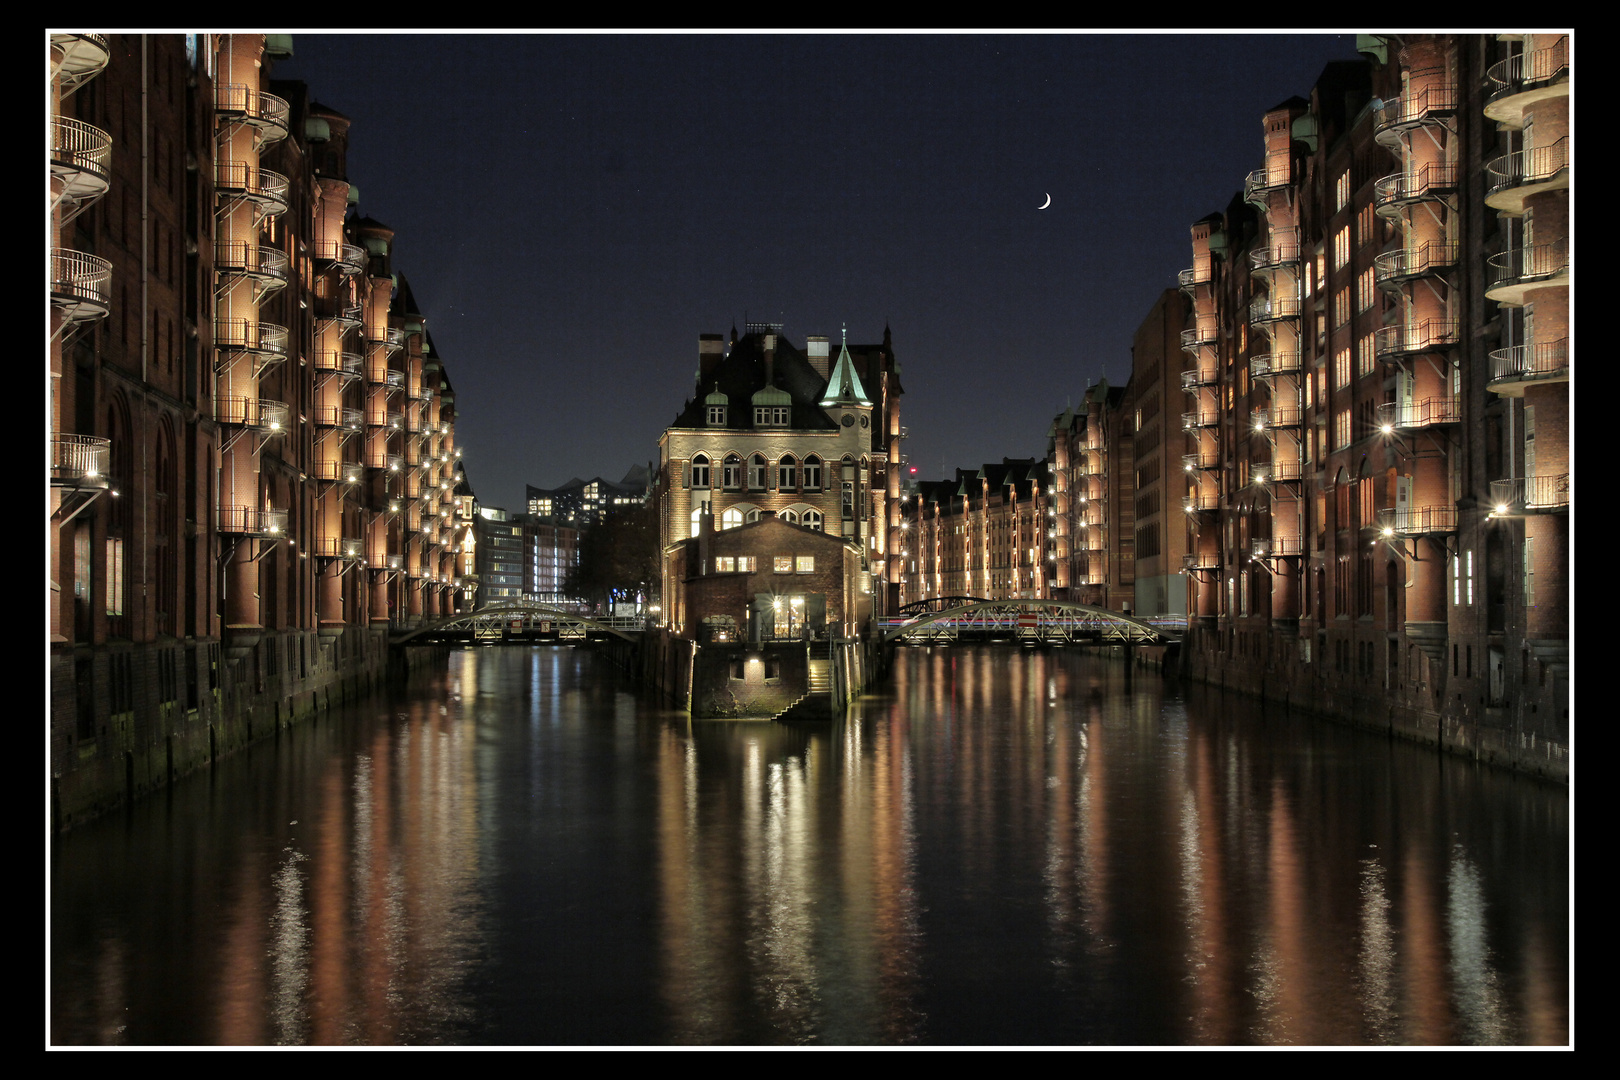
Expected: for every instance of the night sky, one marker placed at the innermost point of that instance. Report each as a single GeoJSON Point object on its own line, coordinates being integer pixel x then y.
{"type": "Point", "coordinates": [573, 211]}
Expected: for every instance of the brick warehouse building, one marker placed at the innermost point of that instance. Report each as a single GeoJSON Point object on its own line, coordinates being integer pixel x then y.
{"type": "Point", "coordinates": [1377, 380]}
{"type": "Point", "coordinates": [252, 441]}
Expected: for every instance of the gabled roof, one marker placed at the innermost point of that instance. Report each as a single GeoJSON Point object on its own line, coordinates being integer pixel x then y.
{"type": "Point", "coordinates": [741, 374]}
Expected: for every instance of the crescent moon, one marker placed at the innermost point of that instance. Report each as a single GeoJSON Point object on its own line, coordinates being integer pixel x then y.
{"type": "Point", "coordinates": [1047, 203]}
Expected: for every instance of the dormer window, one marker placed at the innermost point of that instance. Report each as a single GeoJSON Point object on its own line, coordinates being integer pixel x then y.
{"type": "Point", "coordinates": [774, 416]}
{"type": "Point", "coordinates": [717, 416]}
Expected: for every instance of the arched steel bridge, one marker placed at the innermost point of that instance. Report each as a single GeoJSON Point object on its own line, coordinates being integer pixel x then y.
{"type": "Point", "coordinates": [1049, 621]}
{"type": "Point", "coordinates": [526, 620]}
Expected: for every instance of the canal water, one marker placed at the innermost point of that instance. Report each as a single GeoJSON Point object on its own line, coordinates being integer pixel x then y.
{"type": "Point", "coordinates": [998, 847]}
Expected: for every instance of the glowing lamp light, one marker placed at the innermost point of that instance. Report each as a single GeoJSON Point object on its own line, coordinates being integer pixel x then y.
{"type": "Point", "coordinates": [1388, 429]}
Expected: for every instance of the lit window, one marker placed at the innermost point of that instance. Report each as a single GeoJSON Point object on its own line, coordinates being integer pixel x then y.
{"type": "Point", "coordinates": [805, 564]}
{"type": "Point", "coordinates": [783, 564]}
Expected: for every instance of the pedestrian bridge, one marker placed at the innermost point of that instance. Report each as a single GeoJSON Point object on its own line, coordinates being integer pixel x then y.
{"type": "Point", "coordinates": [1036, 621]}
{"type": "Point", "coordinates": [522, 621]}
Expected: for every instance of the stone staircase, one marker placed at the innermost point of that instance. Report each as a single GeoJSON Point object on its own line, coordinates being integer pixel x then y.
{"type": "Point", "coordinates": [816, 704]}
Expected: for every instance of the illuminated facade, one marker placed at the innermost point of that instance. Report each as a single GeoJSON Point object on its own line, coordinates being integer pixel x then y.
{"type": "Point", "coordinates": [805, 437]}
{"type": "Point", "coordinates": [252, 438]}
{"type": "Point", "coordinates": [1377, 389]}
{"type": "Point", "coordinates": [986, 533]}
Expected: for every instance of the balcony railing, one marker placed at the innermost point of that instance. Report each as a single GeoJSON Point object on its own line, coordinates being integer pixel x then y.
{"type": "Point", "coordinates": [1413, 109]}
{"type": "Point", "coordinates": [1400, 415]}
{"type": "Point", "coordinates": [1544, 360]}
{"type": "Point", "coordinates": [1202, 334]}
{"type": "Point", "coordinates": [1277, 546]}
{"type": "Point", "coordinates": [79, 460]}
{"type": "Point", "coordinates": [391, 338]}
{"type": "Point", "coordinates": [1509, 273]}
{"type": "Point", "coordinates": [267, 265]}
{"type": "Point", "coordinates": [347, 316]}
{"type": "Point", "coordinates": [1429, 334]}
{"type": "Point", "coordinates": [346, 471]}
{"type": "Point", "coordinates": [252, 521]}
{"type": "Point", "coordinates": [1277, 416]}
{"type": "Point", "coordinates": [346, 365]}
{"type": "Point", "coordinates": [346, 548]}
{"type": "Point", "coordinates": [260, 414]}
{"type": "Point", "coordinates": [1281, 250]}
{"type": "Point", "coordinates": [334, 416]}
{"type": "Point", "coordinates": [1204, 459]}
{"type": "Point", "coordinates": [1419, 520]}
{"type": "Point", "coordinates": [1259, 184]}
{"type": "Point", "coordinates": [265, 342]}
{"type": "Point", "coordinates": [1194, 378]}
{"type": "Point", "coordinates": [350, 259]}
{"type": "Point", "coordinates": [1272, 307]}
{"type": "Point", "coordinates": [1200, 502]}
{"type": "Point", "coordinates": [1525, 73]}
{"type": "Point", "coordinates": [1429, 182]}
{"type": "Point", "coordinates": [1393, 267]}
{"type": "Point", "coordinates": [1195, 561]}
{"type": "Point", "coordinates": [1199, 274]}
{"type": "Point", "coordinates": [79, 156]}
{"type": "Point", "coordinates": [265, 189]}
{"type": "Point", "coordinates": [79, 284]}
{"type": "Point", "coordinates": [266, 112]}
{"type": "Point", "coordinates": [1203, 418]}
{"type": "Point", "coordinates": [1516, 177]}
{"type": "Point", "coordinates": [1272, 365]}
{"type": "Point", "coordinates": [1279, 471]}
{"type": "Point", "coordinates": [1531, 493]}
{"type": "Point", "coordinates": [77, 58]}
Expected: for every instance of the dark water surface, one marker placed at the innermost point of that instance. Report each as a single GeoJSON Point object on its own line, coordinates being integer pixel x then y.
{"type": "Point", "coordinates": [1000, 847]}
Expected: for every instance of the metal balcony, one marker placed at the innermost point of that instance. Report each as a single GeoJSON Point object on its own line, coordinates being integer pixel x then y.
{"type": "Point", "coordinates": [349, 549]}
{"type": "Point", "coordinates": [1530, 495]}
{"type": "Point", "coordinates": [332, 471]}
{"type": "Point", "coordinates": [345, 316]}
{"type": "Point", "coordinates": [1407, 415]}
{"type": "Point", "coordinates": [1274, 365]}
{"type": "Point", "coordinates": [1512, 368]}
{"type": "Point", "coordinates": [78, 58]}
{"type": "Point", "coordinates": [1515, 178]}
{"type": "Point", "coordinates": [1203, 459]}
{"type": "Point", "coordinates": [1194, 276]}
{"type": "Point", "coordinates": [79, 156]}
{"type": "Point", "coordinates": [79, 461]}
{"type": "Point", "coordinates": [1200, 503]}
{"type": "Point", "coordinates": [266, 267]}
{"type": "Point", "coordinates": [252, 521]}
{"type": "Point", "coordinates": [345, 365]}
{"type": "Point", "coordinates": [1392, 342]}
{"type": "Point", "coordinates": [1433, 182]}
{"type": "Point", "coordinates": [1194, 561]}
{"type": "Point", "coordinates": [1203, 418]}
{"type": "Point", "coordinates": [1280, 252]}
{"type": "Point", "coordinates": [385, 377]}
{"type": "Point", "coordinates": [1509, 275]}
{"type": "Point", "coordinates": [1393, 269]}
{"type": "Point", "coordinates": [1259, 185]}
{"type": "Point", "coordinates": [1519, 81]}
{"type": "Point", "coordinates": [79, 285]}
{"type": "Point", "coordinates": [266, 113]}
{"type": "Point", "coordinates": [1194, 379]}
{"type": "Point", "coordinates": [331, 416]}
{"type": "Point", "coordinates": [1274, 308]}
{"type": "Point", "coordinates": [265, 342]}
{"type": "Point", "coordinates": [1418, 521]}
{"type": "Point", "coordinates": [1204, 334]}
{"type": "Point", "coordinates": [266, 190]}
{"type": "Point", "coordinates": [1277, 547]}
{"type": "Point", "coordinates": [389, 338]}
{"type": "Point", "coordinates": [347, 259]}
{"type": "Point", "coordinates": [1269, 417]}
{"type": "Point", "coordinates": [1433, 104]}
{"type": "Point", "coordinates": [258, 414]}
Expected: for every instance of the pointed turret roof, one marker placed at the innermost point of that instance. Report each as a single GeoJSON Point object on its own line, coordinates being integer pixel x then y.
{"type": "Point", "coordinates": [844, 386]}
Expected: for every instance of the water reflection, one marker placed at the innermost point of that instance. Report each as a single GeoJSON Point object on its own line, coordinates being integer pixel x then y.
{"type": "Point", "coordinates": [1000, 847]}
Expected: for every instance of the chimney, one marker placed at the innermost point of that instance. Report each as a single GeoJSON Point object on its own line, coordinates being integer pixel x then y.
{"type": "Point", "coordinates": [711, 350]}
{"type": "Point", "coordinates": [770, 359]}
{"type": "Point", "coordinates": [817, 347]}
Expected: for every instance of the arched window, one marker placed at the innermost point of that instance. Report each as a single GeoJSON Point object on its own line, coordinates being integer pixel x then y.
{"type": "Point", "coordinates": [812, 520]}
{"type": "Point", "coordinates": [756, 472]}
{"type": "Point", "coordinates": [789, 516]}
{"type": "Point", "coordinates": [753, 514]}
{"type": "Point", "coordinates": [812, 473]}
{"type": "Point", "coordinates": [700, 471]}
{"type": "Point", "coordinates": [731, 518]}
{"type": "Point", "coordinates": [732, 473]}
{"type": "Point", "coordinates": [787, 473]}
